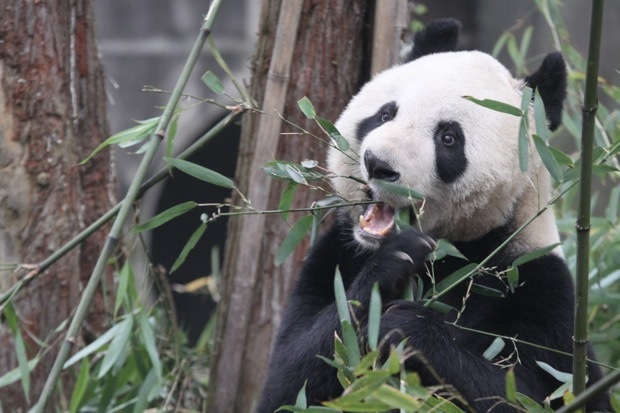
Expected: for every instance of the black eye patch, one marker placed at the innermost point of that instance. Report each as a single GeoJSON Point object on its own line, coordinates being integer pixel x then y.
{"type": "Point", "coordinates": [385, 114]}
{"type": "Point", "coordinates": [450, 159]}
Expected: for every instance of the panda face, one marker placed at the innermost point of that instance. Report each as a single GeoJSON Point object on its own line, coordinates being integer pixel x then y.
{"type": "Point", "coordinates": [411, 126]}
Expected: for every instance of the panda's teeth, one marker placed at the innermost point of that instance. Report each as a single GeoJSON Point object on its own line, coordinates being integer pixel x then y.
{"type": "Point", "coordinates": [363, 222]}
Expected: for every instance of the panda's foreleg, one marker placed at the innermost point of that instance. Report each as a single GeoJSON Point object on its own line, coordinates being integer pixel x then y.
{"type": "Point", "coordinates": [311, 317]}
{"type": "Point", "coordinates": [435, 354]}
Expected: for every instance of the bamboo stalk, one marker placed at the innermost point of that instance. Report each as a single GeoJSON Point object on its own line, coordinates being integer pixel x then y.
{"type": "Point", "coordinates": [580, 345]}
{"type": "Point", "coordinates": [592, 391]}
{"type": "Point", "coordinates": [389, 24]}
{"type": "Point", "coordinates": [132, 193]}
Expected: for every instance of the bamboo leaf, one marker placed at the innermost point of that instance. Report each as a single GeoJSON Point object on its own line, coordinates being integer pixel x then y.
{"type": "Point", "coordinates": [339, 140]}
{"type": "Point", "coordinates": [95, 345]}
{"type": "Point", "coordinates": [341, 298]}
{"type": "Point", "coordinates": [14, 375]}
{"type": "Point", "coordinates": [374, 317]}
{"type": "Point", "coordinates": [189, 246]}
{"type": "Point", "coordinates": [295, 174]}
{"type": "Point", "coordinates": [558, 375]}
{"type": "Point", "coordinates": [454, 279]}
{"type": "Point", "coordinates": [398, 189]}
{"type": "Point", "coordinates": [213, 82]}
{"type": "Point", "coordinates": [349, 338]}
{"type": "Point", "coordinates": [165, 216]}
{"type": "Point", "coordinates": [149, 388]}
{"type": "Point", "coordinates": [496, 106]}
{"type": "Point", "coordinates": [395, 399]}
{"type": "Point", "coordinates": [486, 291]}
{"type": "Point", "coordinates": [80, 386]}
{"type": "Point", "coordinates": [127, 137]}
{"type": "Point", "coordinates": [494, 349]}
{"type": "Point", "coordinates": [117, 345]}
{"type": "Point", "coordinates": [148, 338]}
{"type": "Point", "coordinates": [512, 276]}
{"type": "Point", "coordinates": [511, 386]}
{"type": "Point", "coordinates": [524, 144]}
{"type": "Point", "coordinates": [530, 256]}
{"type": "Point", "coordinates": [446, 248]}
{"type": "Point", "coordinates": [548, 159]}
{"type": "Point", "coordinates": [540, 117]}
{"type": "Point", "coordinates": [302, 401]}
{"type": "Point", "coordinates": [306, 107]}
{"type": "Point", "coordinates": [202, 173]}
{"type": "Point", "coordinates": [125, 277]}
{"type": "Point", "coordinates": [20, 348]}
{"type": "Point", "coordinates": [293, 238]}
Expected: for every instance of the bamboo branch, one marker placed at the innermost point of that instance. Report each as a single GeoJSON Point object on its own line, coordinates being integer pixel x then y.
{"type": "Point", "coordinates": [580, 345]}
{"type": "Point", "coordinates": [132, 194]}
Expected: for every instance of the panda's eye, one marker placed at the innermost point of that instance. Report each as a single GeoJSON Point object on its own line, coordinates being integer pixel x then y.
{"type": "Point", "coordinates": [386, 116]}
{"type": "Point", "coordinates": [448, 139]}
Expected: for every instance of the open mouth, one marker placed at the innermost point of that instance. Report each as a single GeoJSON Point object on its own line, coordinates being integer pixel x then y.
{"type": "Point", "coordinates": [378, 219]}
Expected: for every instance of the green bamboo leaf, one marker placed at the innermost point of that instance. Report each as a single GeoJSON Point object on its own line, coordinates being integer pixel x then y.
{"type": "Point", "coordinates": [395, 399]}
{"type": "Point", "coordinates": [511, 386]}
{"type": "Point", "coordinates": [359, 390]}
{"type": "Point", "coordinates": [202, 173]}
{"type": "Point", "coordinates": [165, 216]}
{"type": "Point", "coordinates": [548, 159]}
{"type": "Point", "coordinates": [446, 248]}
{"type": "Point", "coordinates": [295, 174]}
{"type": "Point", "coordinates": [501, 42]}
{"type": "Point", "coordinates": [524, 144]}
{"type": "Point", "coordinates": [286, 200]}
{"type": "Point", "coordinates": [496, 106]}
{"type": "Point", "coordinates": [306, 107]}
{"type": "Point", "coordinates": [540, 117]}
{"type": "Point", "coordinates": [213, 82]}
{"type": "Point", "coordinates": [81, 383]}
{"type": "Point", "coordinates": [20, 348]}
{"type": "Point", "coordinates": [117, 345]}
{"type": "Point", "coordinates": [398, 189]}
{"type": "Point", "coordinates": [486, 291]}
{"type": "Point", "coordinates": [340, 141]}
{"type": "Point", "coordinates": [558, 375]}
{"type": "Point", "coordinates": [494, 349]}
{"type": "Point", "coordinates": [293, 238]}
{"type": "Point", "coordinates": [302, 401]}
{"type": "Point", "coordinates": [374, 317]}
{"type": "Point", "coordinates": [95, 345]}
{"type": "Point", "coordinates": [171, 135]}
{"type": "Point", "coordinates": [349, 338]}
{"type": "Point", "coordinates": [148, 338]}
{"type": "Point", "coordinates": [14, 375]}
{"type": "Point", "coordinates": [127, 137]}
{"type": "Point", "coordinates": [189, 246]}
{"type": "Point", "coordinates": [311, 409]}
{"type": "Point", "coordinates": [530, 256]}
{"type": "Point", "coordinates": [530, 405]}
{"type": "Point", "coordinates": [454, 279]}
{"type": "Point", "coordinates": [148, 390]}
{"type": "Point", "coordinates": [341, 298]}
{"type": "Point", "coordinates": [561, 157]}
{"type": "Point", "coordinates": [512, 276]}
{"type": "Point", "coordinates": [125, 277]}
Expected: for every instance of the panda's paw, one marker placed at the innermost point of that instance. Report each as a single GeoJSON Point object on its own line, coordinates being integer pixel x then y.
{"type": "Point", "coordinates": [400, 256]}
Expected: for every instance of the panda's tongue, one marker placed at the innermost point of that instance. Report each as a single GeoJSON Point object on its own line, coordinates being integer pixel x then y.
{"type": "Point", "coordinates": [378, 219]}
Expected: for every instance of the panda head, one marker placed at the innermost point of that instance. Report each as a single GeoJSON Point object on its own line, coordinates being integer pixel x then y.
{"type": "Point", "coordinates": [411, 126]}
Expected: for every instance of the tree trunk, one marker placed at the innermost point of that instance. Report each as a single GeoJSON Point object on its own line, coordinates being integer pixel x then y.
{"type": "Point", "coordinates": [330, 61]}
{"type": "Point", "coordinates": [52, 114]}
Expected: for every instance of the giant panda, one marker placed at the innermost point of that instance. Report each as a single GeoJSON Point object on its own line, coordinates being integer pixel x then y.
{"type": "Point", "coordinates": [411, 126]}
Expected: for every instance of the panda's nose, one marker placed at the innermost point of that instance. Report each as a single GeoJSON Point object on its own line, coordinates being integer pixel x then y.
{"type": "Point", "coordinates": [379, 169]}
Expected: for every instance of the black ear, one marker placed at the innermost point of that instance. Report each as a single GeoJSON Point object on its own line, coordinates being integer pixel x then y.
{"type": "Point", "coordinates": [550, 80]}
{"type": "Point", "coordinates": [439, 36]}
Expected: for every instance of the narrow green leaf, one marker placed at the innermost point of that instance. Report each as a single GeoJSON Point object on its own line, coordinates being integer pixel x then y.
{"type": "Point", "coordinates": [202, 173]}
{"type": "Point", "coordinates": [295, 174]}
{"type": "Point", "coordinates": [394, 398]}
{"type": "Point", "coordinates": [340, 141]}
{"type": "Point", "coordinates": [512, 276]}
{"type": "Point", "coordinates": [341, 298]}
{"type": "Point", "coordinates": [349, 338]}
{"type": "Point", "coordinates": [374, 317]}
{"type": "Point", "coordinates": [398, 189]}
{"type": "Point", "coordinates": [165, 216]}
{"type": "Point", "coordinates": [359, 390]}
{"type": "Point", "coordinates": [530, 256]}
{"type": "Point", "coordinates": [524, 144]}
{"type": "Point", "coordinates": [611, 212]}
{"type": "Point", "coordinates": [454, 279]}
{"type": "Point", "coordinates": [511, 386]}
{"type": "Point", "coordinates": [293, 238]}
{"type": "Point", "coordinates": [189, 246]}
{"type": "Point", "coordinates": [302, 401]}
{"type": "Point", "coordinates": [286, 200]}
{"type": "Point", "coordinates": [95, 345]}
{"type": "Point", "coordinates": [494, 349]}
{"type": "Point", "coordinates": [213, 82]}
{"type": "Point", "coordinates": [548, 159]}
{"type": "Point", "coordinates": [525, 41]}
{"type": "Point", "coordinates": [171, 135]}
{"type": "Point", "coordinates": [125, 277]}
{"type": "Point", "coordinates": [561, 157]}
{"type": "Point", "coordinates": [486, 291]}
{"type": "Point", "coordinates": [540, 117]}
{"type": "Point", "coordinates": [530, 405]}
{"type": "Point", "coordinates": [117, 345]}
{"type": "Point", "coordinates": [558, 375]}
{"type": "Point", "coordinates": [148, 338]}
{"type": "Point", "coordinates": [446, 248]}
{"type": "Point", "coordinates": [20, 348]}
{"type": "Point", "coordinates": [306, 107]}
{"type": "Point", "coordinates": [14, 375]}
{"type": "Point", "coordinates": [149, 388]}
{"type": "Point", "coordinates": [496, 106]}
{"type": "Point", "coordinates": [127, 137]}
{"type": "Point", "coordinates": [500, 43]}
{"type": "Point", "coordinates": [80, 386]}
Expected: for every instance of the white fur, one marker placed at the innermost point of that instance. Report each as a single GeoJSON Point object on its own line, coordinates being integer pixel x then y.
{"type": "Point", "coordinates": [491, 191]}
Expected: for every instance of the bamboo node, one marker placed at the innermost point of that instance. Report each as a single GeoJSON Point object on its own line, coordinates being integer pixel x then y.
{"type": "Point", "coordinates": [580, 342]}
{"type": "Point", "coordinates": [582, 228]}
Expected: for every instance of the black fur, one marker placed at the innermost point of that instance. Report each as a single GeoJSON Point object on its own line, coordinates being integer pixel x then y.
{"type": "Point", "coordinates": [450, 159]}
{"type": "Point", "coordinates": [439, 36]}
{"type": "Point", "coordinates": [539, 311]}
{"type": "Point", "coordinates": [386, 113]}
{"type": "Point", "coordinates": [550, 80]}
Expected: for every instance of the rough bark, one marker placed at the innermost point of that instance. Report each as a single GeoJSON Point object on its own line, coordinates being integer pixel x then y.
{"type": "Point", "coordinates": [329, 64]}
{"type": "Point", "coordinates": [52, 114]}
